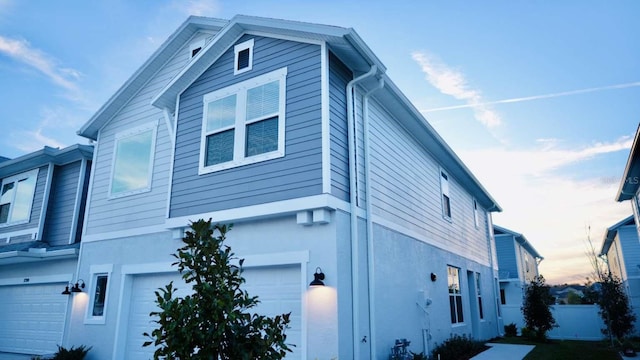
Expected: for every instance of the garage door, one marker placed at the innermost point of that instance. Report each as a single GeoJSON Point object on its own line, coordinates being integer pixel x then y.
{"type": "Point", "coordinates": [278, 288]}
{"type": "Point", "coordinates": [32, 318]}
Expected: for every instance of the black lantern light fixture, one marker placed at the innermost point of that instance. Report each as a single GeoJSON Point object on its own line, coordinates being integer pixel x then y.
{"type": "Point", "coordinates": [78, 287]}
{"type": "Point", "coordinates": [75, 288]}
{"type": "Point", "coordinates": [317, 278]}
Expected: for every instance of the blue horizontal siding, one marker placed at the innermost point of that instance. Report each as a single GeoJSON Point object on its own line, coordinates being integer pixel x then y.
{"type": "Point", "coordinates": [339, 76]}
{"type": "Point", "coordinates": [506, 253]}
{"type": "Point", "coordinates": [62, 201]}
{"type": "Point", "coordinates": [297, 174]}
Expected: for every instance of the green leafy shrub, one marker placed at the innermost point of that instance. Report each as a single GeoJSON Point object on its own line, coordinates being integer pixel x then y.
{"type": "Point", "coordinates": [537, 308]}
{"type": "Point", "coordinates": [511, 330]}
{"type": "Point", "coordinates": [217, 321]}
{"type": "Point", "coordinates": [458, 348]}
{"type": "Point", "coordinates": [527, 333]}
{"type": "Point", "coordinates": [74, 353]}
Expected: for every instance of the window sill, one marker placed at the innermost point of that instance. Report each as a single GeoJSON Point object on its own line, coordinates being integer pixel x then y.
{"type": "Point", "coordinates": [203, 170]}
{"type": "Point", "coordinates": [95, 320]}
{"type": "Point", "coordinates": [14, 223]}
{"type": "Point", "coordinates": [129, 193]}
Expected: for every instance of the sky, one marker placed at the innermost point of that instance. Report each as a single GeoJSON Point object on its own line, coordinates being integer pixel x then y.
{"type": "Point", "coordinates": [540, 99]}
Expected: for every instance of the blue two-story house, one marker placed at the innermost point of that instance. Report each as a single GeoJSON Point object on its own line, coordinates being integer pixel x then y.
{"type": "Point", "coordinates": [621, 249]}
{"type": "Point", "coordinates": [517, 264]}
{"type": "Point", "coordinates": [294, 133]}
{"type": "Point", "coordinates": [42, 204]}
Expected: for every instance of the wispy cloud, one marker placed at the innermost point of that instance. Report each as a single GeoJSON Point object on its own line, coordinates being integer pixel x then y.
{"type": "Point", "coordinates": [551, 208]}
{"type": "Point", "coordinates": [52, 121]}
{"type": "Point", "coordinates": [452, 82]}
{"type": "Point", "coordinates": [536, 97]}
{"type": "Point", "coordinates": [21, 51]}
{"type": "Point", "coordinates": [198, 7]}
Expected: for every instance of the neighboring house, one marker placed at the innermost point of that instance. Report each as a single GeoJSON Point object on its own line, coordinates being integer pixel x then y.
{"type": "Point", "coordinates": [42, 204]}
{"type": "Point", "coordinates": [629, 188]}
{"type": "Point", "coordinates": [518, 264]}
{"type": "Point", "coordinates": [562, 294]}
{"type": "Point", "coordinates": [294, 133]}
{"type": "Point", "coordinates": [621, 248]}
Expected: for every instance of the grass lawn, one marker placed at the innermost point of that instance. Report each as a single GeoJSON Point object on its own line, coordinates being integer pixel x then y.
{"type": "Point", "coordinates": [566, 349]}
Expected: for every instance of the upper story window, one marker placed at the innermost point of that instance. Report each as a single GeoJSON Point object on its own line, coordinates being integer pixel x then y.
{"type": "Point", "coordinates": [243, 60]}
{"type": "Point", "coordinates": [133, 160]}
{"type": "Point", "coordinates": [446, 200]}
{"type": "Point", "coordinates": [17, 197]}
{"type": "Point", "coordinates": [244, 123]}
{"type": "Point", "coordinates": [476, 219]}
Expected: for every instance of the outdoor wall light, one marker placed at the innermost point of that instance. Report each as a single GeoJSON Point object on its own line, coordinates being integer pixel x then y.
{"type": "Point", "coordinates": [76, 288]}
{"type": "Point", "coordinates": [433, 277]}
{"type": "Point", "coordinates": [317, 278]}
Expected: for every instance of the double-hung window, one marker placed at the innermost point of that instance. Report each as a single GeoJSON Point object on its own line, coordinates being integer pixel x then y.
{"type": "Point", "coordinates": [446, 199]}
{"type": "Point", "coordinates": [455, 295]}
{"type": "Point", "coordinates": [16, 198]}
{"type": "Point", "coordinates": [133, 160]}
{"type": "Point", "coordinates": [244, 123]}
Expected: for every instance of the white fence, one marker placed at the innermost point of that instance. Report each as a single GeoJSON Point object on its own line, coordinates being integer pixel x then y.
{"type": "Point", "coordinates": [575, 322]}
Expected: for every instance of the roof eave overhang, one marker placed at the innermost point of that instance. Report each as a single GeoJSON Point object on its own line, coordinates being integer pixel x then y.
{"type": "Point", "coordinates": [44, 156]}
{"type": "Point", "coordinates": [342, 41]}
{"type": "Point", "coordinates": [610, 233]}
{"type": "Point", "coordinates": [631, 177]}
{"type": "Point", "coordinates": [148, 69]}
{"type": "Point", "coordinates": [19, 257]}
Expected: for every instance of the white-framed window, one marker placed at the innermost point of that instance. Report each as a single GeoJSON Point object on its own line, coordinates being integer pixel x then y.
{"type": "Point", "coordinates": [16, 198]}
{"type": "Point", "coordinates": [445, 197]}
{"type": "Point", "coordinates": [98, 294]}
{"type": "Point", "coordinates": [244, 123]}
{"type": "Point", "coordinates": [132, 166]}
{"type": "Point", "coordinates": [455, 294]}
{"type": "Point", "coordinates": [195, 47]}
{"type": "Point", "coordinates": [479, 296]}
{"type": "Point", "coordinates": [476, 215]}
{"type": "Point", "coordinates": [243, 59]}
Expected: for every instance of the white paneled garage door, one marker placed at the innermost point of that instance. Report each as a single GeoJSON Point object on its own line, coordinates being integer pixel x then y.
{"type": "Point", "coordinates": [32, 318]}
{"type": "Point", "coordinates": [278, 288]}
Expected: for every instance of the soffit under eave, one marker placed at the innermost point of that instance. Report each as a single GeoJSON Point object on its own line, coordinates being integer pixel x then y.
{"type": "Point", "coordinates": [630, 180]}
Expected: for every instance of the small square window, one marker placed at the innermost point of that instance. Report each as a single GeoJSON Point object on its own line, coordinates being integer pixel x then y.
{"type": "Point", "coordinates": [243, 60]}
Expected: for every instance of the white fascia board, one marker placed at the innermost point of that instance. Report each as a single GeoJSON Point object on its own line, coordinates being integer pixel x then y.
{"type": "Point", "coordinates": [261, 211]}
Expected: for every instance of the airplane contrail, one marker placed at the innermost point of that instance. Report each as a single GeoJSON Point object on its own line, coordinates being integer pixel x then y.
{"type": "Point", "coordinates": [536, 97]}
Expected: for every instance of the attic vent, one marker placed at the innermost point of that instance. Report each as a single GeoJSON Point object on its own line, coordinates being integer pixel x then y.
{"type": "Point", "coordinates": [243, 60]}
{"type": "Point", "coordinates": [195, 47]}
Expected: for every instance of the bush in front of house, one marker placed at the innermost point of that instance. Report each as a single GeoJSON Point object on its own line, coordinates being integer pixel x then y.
{"type": "Point", "coordinates": [73, 353]}
{"type": "Point", "coordinates": [511, 330]}
{"type": "Point", "coordinates": [458, 348]}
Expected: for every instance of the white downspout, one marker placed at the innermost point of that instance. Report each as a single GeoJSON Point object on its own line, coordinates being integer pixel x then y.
{"type": "Point", "coordinates": [351, 136]}
{"type": "Point", "coordinates": [367, 176]}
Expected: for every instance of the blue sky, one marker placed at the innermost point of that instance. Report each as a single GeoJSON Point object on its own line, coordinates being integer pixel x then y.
{"type": "Point", "coordinates": [539, 99]}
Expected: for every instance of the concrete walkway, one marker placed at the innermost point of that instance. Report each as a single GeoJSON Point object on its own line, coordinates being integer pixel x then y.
{"type": "Point", "coordinates": [504, 352]}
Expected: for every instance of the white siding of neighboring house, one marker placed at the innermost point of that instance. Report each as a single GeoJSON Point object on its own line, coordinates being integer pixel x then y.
{"type": "Point", "coordinates": [406, 195]}
{"type": "Point", "coordinates": [146, 209]}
